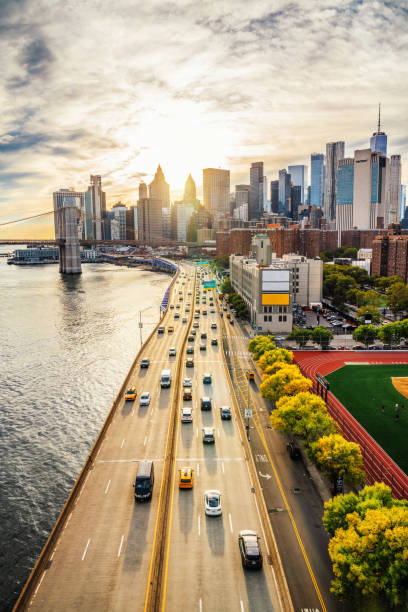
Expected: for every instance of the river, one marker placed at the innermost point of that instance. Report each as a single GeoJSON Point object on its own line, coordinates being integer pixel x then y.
{"type": "Point", "coordinates": [66, 344]}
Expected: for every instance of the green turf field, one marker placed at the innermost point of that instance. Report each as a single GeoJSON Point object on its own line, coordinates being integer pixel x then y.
{"type": "Point", "coordinates": [362, 389]}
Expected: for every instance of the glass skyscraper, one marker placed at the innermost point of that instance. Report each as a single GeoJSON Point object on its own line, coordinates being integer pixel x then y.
{"type": "Point", "coordinates": [256, 194]}
{"type": "Point", "coordinates": [318, 175]}
{"type": "Point", "coordinates": [378, 141]}
{"type": "Point", "coordinates": [299, 179]}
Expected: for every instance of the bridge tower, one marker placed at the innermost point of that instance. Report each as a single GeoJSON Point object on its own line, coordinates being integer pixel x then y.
{"type": "Point", "coordinates": [66, 219]}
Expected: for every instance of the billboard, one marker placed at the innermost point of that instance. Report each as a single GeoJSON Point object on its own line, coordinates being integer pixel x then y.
{"type": "Point", "coordinates": [275, 281]}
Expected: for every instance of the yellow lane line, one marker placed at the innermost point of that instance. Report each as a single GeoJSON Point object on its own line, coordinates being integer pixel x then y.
{"type": "Point", "coordinates": [292, 519]}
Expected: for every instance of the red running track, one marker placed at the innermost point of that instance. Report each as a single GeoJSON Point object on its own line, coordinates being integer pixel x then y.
{"type": "Point", "coordinates": [378, 464]}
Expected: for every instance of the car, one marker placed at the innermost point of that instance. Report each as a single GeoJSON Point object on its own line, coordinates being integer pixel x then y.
{"type": "Point", "coordinates": [178, 306]}
{"type": "Point", "coordinates": [160, 330]}
{"type": "Point", "coordinates": [203, 347]}
{"type": "Point", "coordinates": [293, 450]}
{"type": "Point", "coordinates": [224, 309]}
{"type": "Point", "coordinates": [193, 332]}
{"type": "Point", "coordinates": [212, 311]}
{"type": "Point", "coordinates": [212, 503]}
{"type": "Point", "coordinates": [225, 413]}
{"type": "Point", "coordinates": [189, 362]}
{"type": "Point", "coordinates": [144, 399]}
{"type": "Point", "coordinates": [190, 339]}
{"type": "Point", "coordinates": [196, 316]}
{"type": "Point", "coordinates": [195, 325]}
{"type": "Point", "coordinates": [172, 352]}
{"type": "Point", "coordinates": [250, 375]}
{"type": "Point", "coordinates": [207, 379]}
{"type": "Point", "coordinates": [180, 298]}
{"type": "Point", "coordinates": [171, 306]}
{"type": "Point", "coordinates": [190, 350]}
{"type": "Point", "coordinates": [144, 363]}
{"type": "Point", "coordinates": [187, 310]}
{"type": "Point", "coordinates": [251, 555]}
{"type": "Point", "coordinates": [186, 414]}
{"type": "Point", "coordinates": [208, 435]}
{"type": "Point", "coordinates": [187, 382]}
{"type": "Point", "coordinates": [213, 326]}
{"type": "Point", "coordinates": [214, 342]}
{"type": "Point", "coordinates": [204, 312]}
{"type": "Point", "coordinates": [186, 478]}
{"type": "Point", "coordinates": [176, 316]}
{"type": "Point", "coordinates": [203, 336]}
{"type": "Point", "coordinates": [374, 347]}
{"type": "Point", "coordinates": [188, 303]}
{"type": "Point", "coordinates": [187, 394]}
{"type": "Point", "coordinates": [358, 348]}
{"type": "Point", "coordinates": [130, 394]}
{"type": "Point", "coordinates": [184, 320]}
{"type": "Point", "coordinates": [280, 338]}
{"type": "Point", "coordinates": [231, 322]}
{"type": "Point", "coordinates": [206, 403]}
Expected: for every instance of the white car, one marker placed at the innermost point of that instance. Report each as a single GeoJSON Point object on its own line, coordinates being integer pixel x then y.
{"type": "Point", "coordinates": [187, 382]}
{"type": "Point", "coordinates": [212, 501]}
{"type": "Point", "coordinates": [186, 414]}
{"type": "Point", "coordinates": [144, 399]}
{"type": "Point", "coordinates": [172, 352]}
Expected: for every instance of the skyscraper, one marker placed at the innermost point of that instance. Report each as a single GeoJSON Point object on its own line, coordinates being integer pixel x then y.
{"type": "Point", "coordinates": [275, 196]}
{"type": "Point", "coordinates": [216, 191]}
{"type": "Point", "coordinates": [284, 192]}
{"type": "Point", "coordinates": [242, 195]}
{"type": "Point", "coordinates": [393, 214]}
{"type": "Point", "coordinates": [370, 189]}
{"type": "Point", "coordinates": [378, 141]}
{"type": "Point", "coordinates": [256, 195]}
{"type": "Point", "coordinates": [334, 153]}
{"type": "Point", "coordinates": [299, 179]}
{"type": "Point", "coordinates": [68, 198]}
{"type": "Point", "coordinates": [344, 198]}
{"type": "Point", "coordinates": [94, 209]}
{"type": "Point", "coordinates": [159, 189]}
{"type": "Point", "coordinates": [143, 193]}
{"type": "Point", "coordinates": [317, 178]}
{"type": "Point", "coordinates": [190, 192]}
{"type": "Point", "coordinates": [149, 220]}
{"type": "Point", "coordinates": [295, 201]}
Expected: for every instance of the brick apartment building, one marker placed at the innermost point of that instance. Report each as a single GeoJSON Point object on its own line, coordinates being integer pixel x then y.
{"type": "Point", "coordinates": [390, 256]}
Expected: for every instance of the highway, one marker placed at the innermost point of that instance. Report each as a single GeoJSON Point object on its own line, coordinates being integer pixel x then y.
{"type": "Point", "coordinates": [104, 556]}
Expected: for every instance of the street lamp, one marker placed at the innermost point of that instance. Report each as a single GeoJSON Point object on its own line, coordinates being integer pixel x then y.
{"type": "Point", "coordinates": [141, 324]}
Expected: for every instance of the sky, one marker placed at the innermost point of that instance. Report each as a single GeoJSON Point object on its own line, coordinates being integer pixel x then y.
{"type": "Point", "coordinates": [115, 88]}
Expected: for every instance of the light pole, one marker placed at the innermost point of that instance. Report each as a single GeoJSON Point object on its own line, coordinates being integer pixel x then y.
{"type": "Point", "coordinates": [141, 324]}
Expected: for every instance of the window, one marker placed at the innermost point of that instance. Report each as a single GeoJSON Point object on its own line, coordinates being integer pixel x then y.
{"type": "Point", "coordinates": [265, 318]}
{"type": "Point", "coordinates": [270, 308]}
{"type": "Point", "coordinates": [280, 318]}
{"type": "Point", "coordinates": [284, 318]}
{"type": "Point", "coordinates": [270, 318]}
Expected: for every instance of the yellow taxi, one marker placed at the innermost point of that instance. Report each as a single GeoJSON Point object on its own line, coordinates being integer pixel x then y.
{"type": "Point", "coordinates": [250, 375]}
{"type": "Point", "coordinates": [130, 394]}
{"type": "Point", "coordinates": [170, 329]}
{"type": "Point", "coordinates": [186, 478]}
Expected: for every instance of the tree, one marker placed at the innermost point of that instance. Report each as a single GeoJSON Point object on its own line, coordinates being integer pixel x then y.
{"type": "Point", "coordinates": [373, 298]}
{"type": "Point", "coordinates": [372, 312]}
{"type": "Point", "coordinates": [338, 458]}
{"type": "Point", "coordinates": [286, 381]}
{"type": "Point", "coordinates": [397, 298]}
{"type": "Point", "coordinates": [365, 333]}
{"type": "Point", "coordinates": [278, 365]}
{"type": "Point", "coordinates": [226, 286]}
{"type": "Point", "coordinates": [304, 415]}
{"type": "Point", "coordinates": [392, 333]}
{"type": "Point", "coordinates": [270, 357]}
{"type": "Point", "coordinates": [322, 335]}
{"type": "Point", "coordinates": [383, 282]}
{"type": "Point", "coordinates": [300, 336]}
{"type": "Point", "coordinates": [350, 252]}
{"type": "Point", "coordinates": [260, 344]}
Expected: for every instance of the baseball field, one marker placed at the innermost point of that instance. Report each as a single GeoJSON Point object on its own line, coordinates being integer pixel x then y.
{"type": "Point", "coordinates": [370, 393]}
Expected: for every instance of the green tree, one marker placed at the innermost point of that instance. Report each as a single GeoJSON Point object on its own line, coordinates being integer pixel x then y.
{"type": "Point", "coordinates": [300, 336]}
{"type": "Point", "coordinates": [226, 286]}
{"type": "Point", "coordinates": [372, 311]}
{"type": "Point", "coordinates": [397, 298]}
{"type": "Point", "coordinates": [322, 336]}
{"type": "Point", "coordinates": [365, 334]}
{"type": "Point", "coordinates": [338, 458]}
{"type": "Point", "coordinates": [304, 415]}
{"type": "Point", "coordinates": [259, 345]}
{"type": "Point", "coordinates": [383, 282]}
{"type": "Point", "coordinates": [350, 252]}
{"type": "Point", "coordinates": [373, 298]}
{"type": "Point", "coordinates": [392, 332]}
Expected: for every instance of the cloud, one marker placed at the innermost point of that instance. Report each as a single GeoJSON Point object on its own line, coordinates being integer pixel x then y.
{"type": "Point", "coordinates": [114, 90]}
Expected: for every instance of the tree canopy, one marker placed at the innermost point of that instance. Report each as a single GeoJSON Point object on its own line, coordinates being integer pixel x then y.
{"type": "Point", "coordinates": [304, 415]}
{"type": "Point", "coordinates": [260, 344]}
{"type": "Point", "coordinates": [397, 298]}
{"type": "Point", "coordinates": [286, 381]}
{"type": "Point", "coordinates": [371, 311]}
{"type": "Point", "coordinates": [300, 336]}
{"type": "Point", "coordinates": [322, 336]}
{"type": "Point", "coordinates": [338, 458]}
{"type": "Point", "coordinates": [271, 357]}
{"type": "Point", "coordinates": [365, 333]}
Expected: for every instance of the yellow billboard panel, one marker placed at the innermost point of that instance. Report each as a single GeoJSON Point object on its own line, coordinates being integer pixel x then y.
{"type": "Point", "coordinates": [275, 299]}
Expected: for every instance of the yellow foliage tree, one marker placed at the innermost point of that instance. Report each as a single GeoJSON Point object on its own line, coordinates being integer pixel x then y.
{"type": "Point", "coordinates": [286, 381]}
{"type": "Point", "coordinates": [338, 458]}
{"type": "Point", "coordinates": [278, 365]}
{"type": "Point", "coordinates": [260, 344]}
{"type": "Point", "coordinates": [303, 415]}
{"type": "Point", "coordinates": [271, 357]}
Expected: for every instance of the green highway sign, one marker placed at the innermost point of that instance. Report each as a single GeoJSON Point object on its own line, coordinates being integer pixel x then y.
{"type": "Point", "coordinates": [210, 284]}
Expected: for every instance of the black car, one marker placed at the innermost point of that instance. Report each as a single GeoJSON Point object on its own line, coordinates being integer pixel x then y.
{"type": "Point", "coordinates": [190, 350]}
{"type": "Point", "coordinates": [206, 403]}
{"type": "Point", "coordinates": [293, 450]}
{"type": "Point", "coordinates": [214, 342]}
{"type": "Point", "coordinates": [203, 336]}
{"type": "Point", "coordinates": [144, 363]}
{"type": "Point", "coordinates": [250, 550]}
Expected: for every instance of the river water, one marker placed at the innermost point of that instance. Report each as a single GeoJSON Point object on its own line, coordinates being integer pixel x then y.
{"type": "Point", "coordinates": [66, 344]}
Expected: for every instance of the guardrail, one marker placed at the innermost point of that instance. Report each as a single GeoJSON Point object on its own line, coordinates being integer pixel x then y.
{"type": "Point", "coordinates": [43, 560]}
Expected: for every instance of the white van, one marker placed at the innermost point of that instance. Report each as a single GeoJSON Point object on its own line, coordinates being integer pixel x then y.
{"type": "Point", "coordinates": [165, 379]}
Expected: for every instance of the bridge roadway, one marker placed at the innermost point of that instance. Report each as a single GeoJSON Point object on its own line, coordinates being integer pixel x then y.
{"type": "Point", "coordinates": [102, 558]}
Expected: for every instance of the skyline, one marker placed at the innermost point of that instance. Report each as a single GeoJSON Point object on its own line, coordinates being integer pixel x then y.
{"type": "Point", "coordinates": [201, 86]}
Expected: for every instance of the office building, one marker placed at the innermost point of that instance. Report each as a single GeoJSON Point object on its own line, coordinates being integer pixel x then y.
{"type": "Point", "coordinates": [119, 211]}
{"type": "Point", "coordinates": [131, 223]}
{"type": "Point", "coordinates": [181, 213]}
{"type": "Point", "coordinates": [190, 192]}
{"type": "Point", "coordinates": [143, 191]}
{"type": "Point", "coordinates": [256, 195]}
{"type": "Point", "coordinates": [159, 189]}
{"type": "Point", "coordinates": [344, 197]}
{"type": "Point", "coordinates": [242, 194]}
{"type": "Point", "coordinates": [149, 220]}
{"type": "Point", "coordinates": [403, 202]}
{"type": "Point", "coordinates": [370, 190]}
{"type": "Point", "coordinates": [393, 210]}
{"type": "Point", "coordinates": [167, 228]}
{"type": "Point", "coordinates": [241, 212]}
{"type": "Point", "coordinates": [317, 179]}
{"type": "Point", "coordinates": [334, 153]}
{"type": "Point", "coordinates": [378, 141]}
{"type": "Point", "coordinates": [295, 201]}
{"type": "Point", "coordinates": [216, 191]}
{"type": "Point", "coordinates": [94, 210]}
{"type": "Point", "coordinates": [275, 197]}
{"type": "Point", "coordinates": [200, 219]}
{"type": "Point", "coordinates": [299, 179]}
{"type": "Point", "coordinates": [204, 234]}
{"type": "Point", "coordinates": [284, 192]}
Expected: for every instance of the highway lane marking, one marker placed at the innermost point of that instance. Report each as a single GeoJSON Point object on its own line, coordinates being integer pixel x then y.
{"type": "Point", "coordinates": [39, 584]}
{"type": "Point", "coordinates": [199, 531]}
{"type": "Point", "coordinates": [107, 487]}
{"type": "Point", "coordinates": [198, 469]}
{"type": "Point", "coordinates": [230, 522]}
{"type": "Point", "coordinates": [200, 604]}
{"type": "Point", "coordinates": [242, 606]}
{"type": "Point", "coordinates": [120, 545]}
{"type": "Point", "coordinates": [209, 459]}
{"type": "Point", "coordinates": [222, 467]}
{"type": "Point", "coordinates": [86, 549]}
{"type": "Point", "coordinates": [218, 432]}
{"type": "Point", "coordinates": [196, 432]}
{"type": "Point", "coordinates": [66, 524]}
{"type": "Point", "coordinates": [145, 440]}
{"type": "Point", "coordinates": [123, 441]}
{"type": "Point", "coordinates": [125, 460]}
{"type": "Point", "coordinates": [133, 412]}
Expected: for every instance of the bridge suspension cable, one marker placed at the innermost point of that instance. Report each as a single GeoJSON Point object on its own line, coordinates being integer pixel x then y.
{"type": "Point", "coordinates": [50, 212]}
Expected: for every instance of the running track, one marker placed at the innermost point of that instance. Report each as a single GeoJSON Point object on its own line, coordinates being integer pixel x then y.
{"type": "Point", "coordinates": [378, 465]}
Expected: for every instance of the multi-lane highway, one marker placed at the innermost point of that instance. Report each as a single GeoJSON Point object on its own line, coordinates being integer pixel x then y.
{"type": "Point", "coordinates": [109, 546]}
